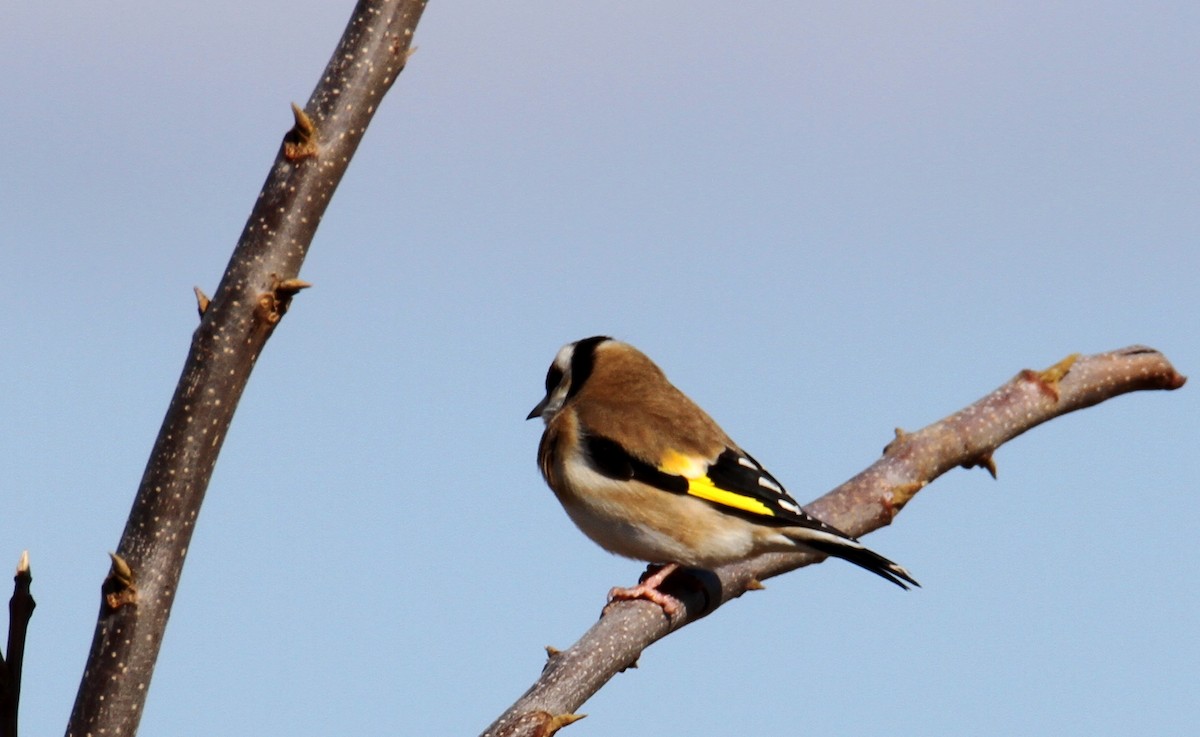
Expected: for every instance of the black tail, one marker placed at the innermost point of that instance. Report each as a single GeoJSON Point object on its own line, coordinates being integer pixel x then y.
{"type": "Point", "coordinates": [853, 551]}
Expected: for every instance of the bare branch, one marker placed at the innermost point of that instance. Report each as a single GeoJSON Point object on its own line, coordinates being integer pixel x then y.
{"type": "Point", "coordinates": [20, 611]}
{"type": "Point", "coordinates": [866, 502]}
{"type": "Point", "coordinates": [253, 296]}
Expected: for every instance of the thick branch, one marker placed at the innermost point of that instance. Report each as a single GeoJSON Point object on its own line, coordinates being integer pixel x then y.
{"type": "Point", "coordinates": [866, 502]}
{"type": "Point", "coordinates": [252, 297]}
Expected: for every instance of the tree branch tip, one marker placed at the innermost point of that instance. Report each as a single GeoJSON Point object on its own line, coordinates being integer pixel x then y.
{"type": "Point", "coordinates": [1174, 381]}
{"type": "Point", "coordinates": [755, 585]}
{"type": "Point", "coordinates": [300, 142]}
{"type": "Point", "coordinates": [23, 564]}
{"type": "Point", "coordinates": [202, 300]}
{"type": "Point", "coordinates": [1169, 378]}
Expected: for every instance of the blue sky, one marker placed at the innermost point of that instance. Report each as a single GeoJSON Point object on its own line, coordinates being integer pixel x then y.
{"type": "Point", "coordinates": [824, 220]}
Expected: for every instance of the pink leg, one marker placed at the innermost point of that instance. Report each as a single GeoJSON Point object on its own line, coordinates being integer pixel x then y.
{"type": "Point", "coordinates": [648, 589]}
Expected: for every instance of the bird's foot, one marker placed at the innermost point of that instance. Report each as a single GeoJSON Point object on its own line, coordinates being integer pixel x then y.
{"type": "Point", "coordinates": [648, 589]}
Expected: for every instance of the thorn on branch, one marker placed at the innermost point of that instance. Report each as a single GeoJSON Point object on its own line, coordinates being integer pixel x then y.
{"type": "Point", "coordinates": [119, 588]}
{"type": "Point", "coordinates": [289, 288]}
{"type": "Point", "coordinates": [896, 441]}
{"type": "Point", "coordinates": [202, 301]}
{"type": "Point", "coordinates": [984, 461]}
{"type": "Point", "coordinates": [274, 304]}
{"type": "Point", "coordinates": [552, 655]}
{"type": "Point", "coordinates": [544, 723]}
{"type": "Point", "coordinates": [301, 141]}
{"type": "Point", "coordinates": [1047, 381]}
{"type": "Point", "coordinates": [397, 45]}
{"type": "Point", "coordinates": [556, 723]}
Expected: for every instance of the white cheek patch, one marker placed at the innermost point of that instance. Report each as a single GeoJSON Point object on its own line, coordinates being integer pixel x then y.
{"type": "Point", "coordinates": [562, 359]}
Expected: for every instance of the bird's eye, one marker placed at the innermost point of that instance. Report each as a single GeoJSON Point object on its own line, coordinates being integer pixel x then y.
{"type": "Point", "coordinates": [553, 378]}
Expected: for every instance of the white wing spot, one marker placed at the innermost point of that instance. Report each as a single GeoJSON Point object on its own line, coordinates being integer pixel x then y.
{"type": "Point", "coordinates": [790, 506]}
{"type": "Point", "coordinates": [767, 483]}
{"type": "Point", "coordinates": [744, 461]}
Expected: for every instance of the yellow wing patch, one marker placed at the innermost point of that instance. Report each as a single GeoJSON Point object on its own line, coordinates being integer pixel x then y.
{"type": "Point", "coordinates": [704, 488]}
{"type": "Point", "coordinates": [678, 464]}
{"type": "Point", "coordinates": [694, 469]}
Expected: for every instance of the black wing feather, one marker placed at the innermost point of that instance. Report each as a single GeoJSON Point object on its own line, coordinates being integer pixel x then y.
{"type": "Point", "coordinates": [611, 459]}
{"type": "Point", "coordinates": [737, 472]}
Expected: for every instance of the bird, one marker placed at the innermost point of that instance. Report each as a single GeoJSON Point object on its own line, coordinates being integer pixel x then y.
{"type": "Point", "coordinates": [645, 473]}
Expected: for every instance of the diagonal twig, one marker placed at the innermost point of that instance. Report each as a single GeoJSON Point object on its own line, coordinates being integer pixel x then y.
{"type": "Point", "coordinates": [254, 293]}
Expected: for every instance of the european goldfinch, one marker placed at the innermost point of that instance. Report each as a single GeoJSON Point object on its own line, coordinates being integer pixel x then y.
{"type": "Point", "coordinates": [647, 474]}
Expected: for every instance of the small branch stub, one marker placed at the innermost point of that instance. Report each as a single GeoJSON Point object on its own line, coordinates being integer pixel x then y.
{"type": "Point", "coordinates": [274, 304]}
{"type": "Point", "coordinates": [896, 442]}
{"type": "Point", "coordinates": [984, 461]}
{"type": "Point", "coordinates": [20, 611]}
{"type": "Point", "coordinates": [557, 722]}
{"type": "Point", "coordinates": [119, 588]}
{"type": "Point", "coordinates": [1048, 380]}
{"type": "Point", "coordinates": [301, 141]}
{"type": "Point", "coordinates": [543, 723]}
{"type": "Point", "coordinates": [202, 301]}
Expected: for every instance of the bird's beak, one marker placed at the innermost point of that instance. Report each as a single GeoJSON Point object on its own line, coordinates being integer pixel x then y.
{"type": "Point", "coordinates": [541, 406]}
